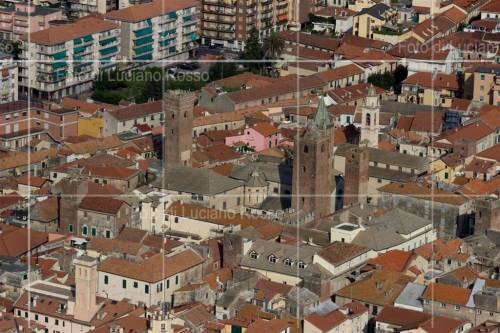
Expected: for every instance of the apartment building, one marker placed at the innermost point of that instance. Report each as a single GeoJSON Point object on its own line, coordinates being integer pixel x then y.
{"type": "Point", "coordinates": [8, 79]}
{"type": "Point", "coordinates": [158, 30]}
{"type": "Point", "coordinates": [68, 57]}
{"type": "Point", "coordinates": [75, 9]}
{"type": "Point", "coordinates": [23, 18]}
{"type": "Point", "coordinates": [20, 124]}
{"type": "Point", "coordinates": [226, 23]}
{"type": "Point", "coordinates": [487, 85]}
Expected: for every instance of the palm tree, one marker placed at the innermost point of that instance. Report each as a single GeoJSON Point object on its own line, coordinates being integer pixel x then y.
{"type": "Point", "coordinates": [273, 46]}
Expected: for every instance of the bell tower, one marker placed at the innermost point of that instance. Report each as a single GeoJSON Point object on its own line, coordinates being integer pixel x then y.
{"type": "Point", "coordinates": [370, 114]}
{"type": "Point", "coordinates": [178, 111]}
{"type": "Point", "coordinates": [312, 165]}
{"type": "Point", "coordinates": [86, 287]}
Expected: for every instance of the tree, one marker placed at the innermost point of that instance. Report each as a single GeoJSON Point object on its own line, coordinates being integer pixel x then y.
{"type": "Point", "coordinates": [273, 46]}
{"type": "Point", "coordinates": [222, 69]}
{"type": "Point", "coordinates": [385, 81]}
{"type": "Point", "coordinates": [253, 50]}
{"type": "Point", "coordinates": [400, 74]}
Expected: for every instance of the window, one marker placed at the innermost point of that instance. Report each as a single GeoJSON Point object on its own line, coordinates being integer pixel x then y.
{"type": "Point", "coordinates": [159, 287]}
{"type": "Point", "coordinates": [443, 305]}
{"type": "Point", "coordinates": [273, 259]}
{"type": "Point", "coordinates": [85, 230]}
{"type": "Point", "coordinates": [106, 279]}
{"type": "Point", "coordinates": [168, 284]}
{"type": "Point", "coordinates": [46, 319]}
{"type": "Point", "coordinates": [146, 289]}
{"type": "Point", "coordinates": [306, 149]}
{"type": "Point", "coordinates": [287, 262]}
{"type": "Point", "coordinates": [176, 220]}
{"type": "Point", "coordinates": [177, 279]}
{"type": "Point", "coordinates": [70, 228]}
{"type": "Point", "coordinates": [57, 322]}
{"type": "Point", "coordinates": [136, 284]}
{"type": "Point", "coordinates": [253, 255]}
{"type": "Point", "coordinates": [36, 317]}
{"type": "Point", "coordinates": [302, 265]}
{"type": "Point", "coordinates": [457, 308]}
{"type": "Point", "coordinates": [124, 284]}
{"type": "Point", "coordinates": [108, 234]}
{"type": "Point", "coordinates": [93, 231]}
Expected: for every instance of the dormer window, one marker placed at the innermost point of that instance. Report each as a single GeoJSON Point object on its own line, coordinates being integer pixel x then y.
{"type": "Point", "coordinates": [273, 259]}
{"type": "Point", "coordinates": [253, 255]}
{"type": "Point", "coordinates": [301, 265]}
{"type": "Point", "coordinates": [287, 262]}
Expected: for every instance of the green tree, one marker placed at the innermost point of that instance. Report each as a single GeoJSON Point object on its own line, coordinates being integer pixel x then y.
{"type": "Point", "coordinates": [222, 69]}
{"type": "Point", "coordinates": [253, 50]}
{"type": "Point", "coordinates": [400, 74]}
{"type": "Point", "coordinates": [385, 81]}
{"type": "Point", "coordinates": [273, 46]}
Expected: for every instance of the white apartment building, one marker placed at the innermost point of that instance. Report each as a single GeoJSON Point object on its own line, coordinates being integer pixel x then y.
{"type": "Point", "coordinates": [68, 57]}
{"type": "Point", "coordinates": [162, 29]}
{"type": "Point", "coordinates": [8, 80]}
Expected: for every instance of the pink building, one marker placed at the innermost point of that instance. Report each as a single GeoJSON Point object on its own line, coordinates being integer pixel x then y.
{"type": "Point", "coordinates": [259, 137]}
{"type": "Point", "coordinates": [14, 21]}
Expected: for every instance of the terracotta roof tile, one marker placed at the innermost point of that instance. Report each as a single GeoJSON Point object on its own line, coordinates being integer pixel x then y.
{"type": "Point", "coordinates": [394, 260]}
{"type": "Point", "coordinates": [381, 288]}
{"type": "Point", "coordinates": [429, 81]}
{"type": "Point", "coordinates": [62, 33]}
{"type": "Point", "coordinates": [97, 204]}
{"type": "Point", "coordinates": [328, 321]}
{"type": "Point", "coordinates": [153, 269]}
{"type": "Point", "coordinates": [400, 317]}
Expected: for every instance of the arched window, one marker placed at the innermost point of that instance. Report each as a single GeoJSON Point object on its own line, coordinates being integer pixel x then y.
{"type": "Point", "coordinates": [301, 265]}
{"type": "Point", "coordinates": [273, 259]}
{"type": "Point", "coordinates": [368, 119]}
{"type": "Point", "coordinates": [287, 262]}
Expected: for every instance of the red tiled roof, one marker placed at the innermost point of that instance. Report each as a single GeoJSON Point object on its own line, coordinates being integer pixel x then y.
{"type": "Point", "coordinates": [326, 322]}
{"type": "Point", "coordinates": [491, 7]}
{"type": "Point", "coordinates": [448, 294]}
{"type": "Point", "coordinates": [62, 33]}
{"type": "Point", "coordinates": [97, 204]}
{"type": "Point", "coordinates": [437, 82]}
{"type": "Point", "coordinates": [439, 324]}
{"type": "Point", "coordinates": [394, 260]}
{"type": "Point", "coordinates": [401, 317]}
{"type": "Point", "coordinates": [14, 241]}
{"type": "Point", "coordinates": [441, 249]}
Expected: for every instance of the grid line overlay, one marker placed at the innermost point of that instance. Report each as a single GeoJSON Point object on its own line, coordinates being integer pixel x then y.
{"type": "Point", "coordinates": [165, 63]}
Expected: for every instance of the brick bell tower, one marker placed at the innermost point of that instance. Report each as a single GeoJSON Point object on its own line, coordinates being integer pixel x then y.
{"type": "Point", "coordinates": [356, 176]}
{"type": "Point", "coordinates": [178, 115]}
{"type": "Point", "coordinates": [312, 165]}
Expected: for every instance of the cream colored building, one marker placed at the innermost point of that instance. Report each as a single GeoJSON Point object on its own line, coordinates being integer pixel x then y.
{"type": "Point", "coordinates": [157, 30]}
{"type": "Point", "coordinates": [68, 57]}
{"type": "Point", "coordinates": [151, 281]}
